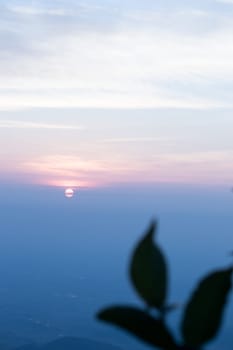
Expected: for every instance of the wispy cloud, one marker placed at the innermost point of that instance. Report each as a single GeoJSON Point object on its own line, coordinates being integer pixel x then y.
{"type": "Point", "coordinates": [12, 124]}
{"type": "Point", "coordinates": [65, 170]}
{"type": "Point", "coordinates": [39, 11]}
{"type": "Point", "coordinates": [196, 167]}
{"type": "Point", "coordinates": [134, 140]}
{"type": "Point", "coordinates": [180, 65]}
{"type": "Point", "coordinates": [225, 1]}
{"type": "Point", "coordinates": [47, 8]}
{"type": "Point", "coordinates": [212, 167]}
{"type": "Point", "coordinates": [197, 158]}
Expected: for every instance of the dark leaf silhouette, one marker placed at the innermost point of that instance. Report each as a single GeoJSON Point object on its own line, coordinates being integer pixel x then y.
{"type": "Point", "coordinates": [148, 271]}
{"type": "Point", "coordinates": [140, 324]}
{"type": "Point", "coordinates": [204, 311]}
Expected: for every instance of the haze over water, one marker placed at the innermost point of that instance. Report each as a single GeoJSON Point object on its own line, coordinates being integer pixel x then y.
{"type": "Point", "coordinates": [63, 259]}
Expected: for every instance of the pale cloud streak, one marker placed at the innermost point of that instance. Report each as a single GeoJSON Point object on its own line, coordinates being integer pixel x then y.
{"type": "Point", "coordinates": [36, 11]}
{"type": "Point", "coordinates": [225, 1]}
{"type": "Point", "coordinates": [212, 167]}
{"type": "Point", "coordinates": [12, 124]}
{"type": "Point", "coordinates": [135, 140]}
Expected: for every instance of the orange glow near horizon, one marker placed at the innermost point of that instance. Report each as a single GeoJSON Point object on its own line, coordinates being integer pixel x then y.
{"type": "Point", "coordinates": [69, 183]}
{"type": "Point", "coordinates": [96, 179]}
{"type": "Point", "coordinates": [67, 171]}
{"type": "Point", "coordinates": [144, 177]}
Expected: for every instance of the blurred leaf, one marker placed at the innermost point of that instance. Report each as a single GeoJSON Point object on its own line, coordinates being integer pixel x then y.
{"type": "Point", "coordinates": [148, 270]}
{"type": "Point", "coordinates": [140, 324]}
{"type": "Point", "coordinates": [204, 311]}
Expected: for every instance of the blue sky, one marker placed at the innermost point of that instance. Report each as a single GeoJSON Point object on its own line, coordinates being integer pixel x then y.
{"type": "Point", "coordinates": [134, 90]}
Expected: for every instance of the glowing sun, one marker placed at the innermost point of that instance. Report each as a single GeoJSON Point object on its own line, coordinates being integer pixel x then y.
{"type": "Point", "coordinates": [69, 192]}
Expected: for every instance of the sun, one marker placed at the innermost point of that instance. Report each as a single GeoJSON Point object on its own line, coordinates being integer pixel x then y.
{"type": "Point", "coordinates": [69, 192]}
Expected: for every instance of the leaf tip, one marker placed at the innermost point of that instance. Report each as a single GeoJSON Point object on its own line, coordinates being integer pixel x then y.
{"type": "Point", "coordinates": [152, 230]}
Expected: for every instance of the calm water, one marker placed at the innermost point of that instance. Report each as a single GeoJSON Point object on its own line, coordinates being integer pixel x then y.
{"type": "Point", "coordinates": [61, 260]}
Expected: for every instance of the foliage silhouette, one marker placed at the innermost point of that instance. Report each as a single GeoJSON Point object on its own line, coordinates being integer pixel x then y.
{"type": "Point", "coordinates": [148, 271]}
{"type": "Point", "coordinates": [202, 315]}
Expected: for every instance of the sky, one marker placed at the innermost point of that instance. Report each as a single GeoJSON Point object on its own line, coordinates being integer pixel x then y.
{"type": "Point", "coordinates": [97, 93]}
{"type": "Point", "coordinates": [132, 101]}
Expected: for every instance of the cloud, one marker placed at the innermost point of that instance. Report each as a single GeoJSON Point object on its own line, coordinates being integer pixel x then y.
{"type": "Point", "coordinates": [152, 64]}
{"type": "Point", "coordinates": [75, 171]}
{"type": "Point", "coordinates": [12, 124]}
{"type": "Point", "coordinates": [134, 139]}
{"type": "Point", "coordinates": [197, 158]}
{"type": "Point", "coordinates": [208, 167]}
{"type": "Point", "coordinates": [225, 1]}
{"type": "Point", "coordinates": [38, 11]}
{"type": "Point", "coordinates": [55, 9]}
